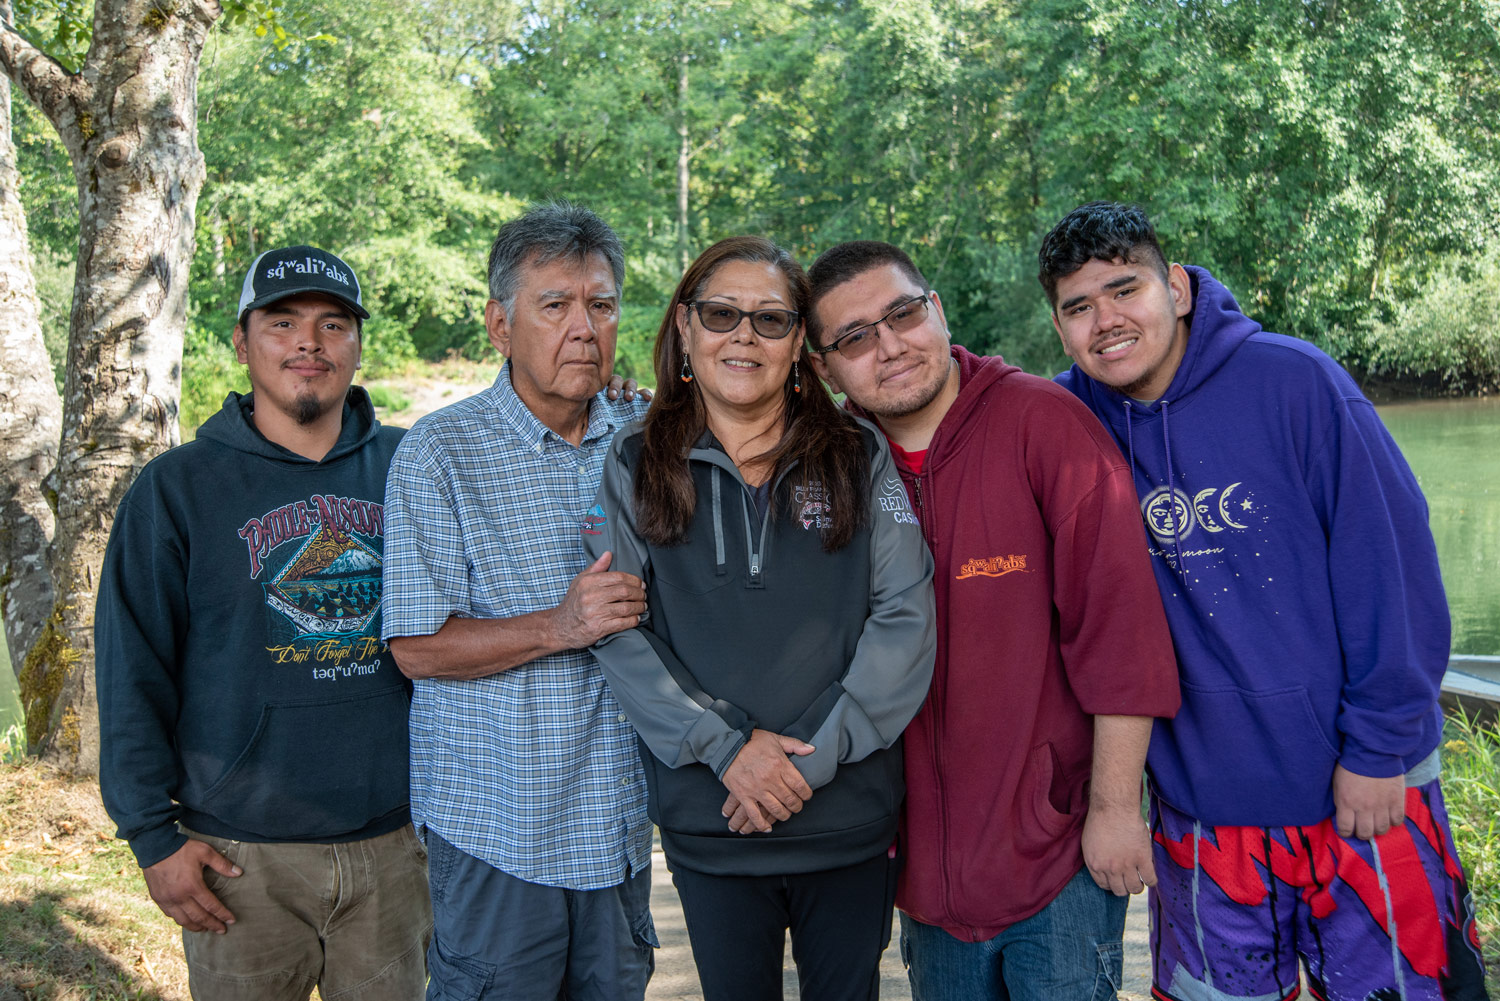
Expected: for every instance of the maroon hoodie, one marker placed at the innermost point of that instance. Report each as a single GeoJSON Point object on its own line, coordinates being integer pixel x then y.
{"type": "Point", "coordinates": [1047, 614]}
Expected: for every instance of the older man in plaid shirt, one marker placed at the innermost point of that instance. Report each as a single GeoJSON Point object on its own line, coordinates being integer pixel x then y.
{"type": "Point", "coordinates": [524, 773]}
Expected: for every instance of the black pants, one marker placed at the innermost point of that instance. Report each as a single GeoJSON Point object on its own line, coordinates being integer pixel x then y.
{"type": "Point", "coordinates": [840, 921]}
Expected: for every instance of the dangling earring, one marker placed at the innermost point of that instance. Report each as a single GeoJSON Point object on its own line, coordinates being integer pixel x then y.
{"type": "Point", "coordinates": [796, 378]}
{"type": "Point", "coordinates": [687, 370]}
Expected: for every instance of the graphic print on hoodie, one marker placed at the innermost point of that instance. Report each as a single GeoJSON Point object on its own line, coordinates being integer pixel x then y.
{"type": "Point", "coordinates": [318, 561]}
{"type": "Point", "coordinates": [1290, 545]}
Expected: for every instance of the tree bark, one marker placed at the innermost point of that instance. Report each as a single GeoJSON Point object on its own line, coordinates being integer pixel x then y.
{"type": "Point", "coordinates": [30, 418]}
{"type": "Point", "coordinates": [129, 119]}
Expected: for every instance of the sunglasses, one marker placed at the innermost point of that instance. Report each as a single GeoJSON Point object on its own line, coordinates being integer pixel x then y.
{"type": "Point", "coordinates": [721, 318]}
{"type": "Point", "coordinates": [861, 339]}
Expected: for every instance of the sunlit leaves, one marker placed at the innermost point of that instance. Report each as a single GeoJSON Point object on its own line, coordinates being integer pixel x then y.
{"type": "Point", "coordinates": [60, 28]}
{"type": "Point", "coordinates": [1330, 160]}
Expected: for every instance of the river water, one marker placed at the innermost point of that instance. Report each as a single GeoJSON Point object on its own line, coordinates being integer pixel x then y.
{"type": "Point", "coordinates": [1454, 448]}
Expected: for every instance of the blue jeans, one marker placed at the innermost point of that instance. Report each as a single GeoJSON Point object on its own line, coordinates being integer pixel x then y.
{"type": "Point", "coordinates": [1070, 950]}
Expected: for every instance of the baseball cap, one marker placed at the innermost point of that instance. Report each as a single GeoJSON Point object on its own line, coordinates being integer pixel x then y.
{"type": "Point", "coordinates": [289, 271]}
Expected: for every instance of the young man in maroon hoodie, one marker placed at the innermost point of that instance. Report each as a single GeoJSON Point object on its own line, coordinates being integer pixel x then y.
{"type": "Point", "coordinates": [1023, 833]}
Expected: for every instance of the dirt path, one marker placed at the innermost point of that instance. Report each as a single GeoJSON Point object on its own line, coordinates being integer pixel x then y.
{"type": "Point", "coordinates": [676, 979]}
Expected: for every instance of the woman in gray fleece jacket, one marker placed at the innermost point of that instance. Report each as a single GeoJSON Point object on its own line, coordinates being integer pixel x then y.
{"type": "Point", "coordinates": [789, 637]}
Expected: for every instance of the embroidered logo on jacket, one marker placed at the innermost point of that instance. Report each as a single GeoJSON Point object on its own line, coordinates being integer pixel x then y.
{"type": "Point", "coordinates": [893, 500]}
{"type": "Point", "coordinates": [813, 510]}
{"type": "Point", "coordinates": [993, 566]}
{"type": "Point", "coordinates": [594, 521]}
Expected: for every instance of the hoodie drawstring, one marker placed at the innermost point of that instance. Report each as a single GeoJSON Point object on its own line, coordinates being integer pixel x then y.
{"type": "Point", "coordinates": [718, 526]}
{"type": "Point", "coordinates": [1166, 443]}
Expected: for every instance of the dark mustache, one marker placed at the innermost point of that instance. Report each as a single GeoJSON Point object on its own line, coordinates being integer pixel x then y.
{"type": "Point", "coordinates": [326, 365]}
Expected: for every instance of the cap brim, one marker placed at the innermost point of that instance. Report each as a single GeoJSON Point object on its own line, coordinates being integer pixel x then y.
{"type": "Point", "coordinates": [287, 293]}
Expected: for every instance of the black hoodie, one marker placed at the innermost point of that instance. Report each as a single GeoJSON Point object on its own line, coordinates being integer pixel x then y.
{"type": "Point", "coordinates": [243, 688]}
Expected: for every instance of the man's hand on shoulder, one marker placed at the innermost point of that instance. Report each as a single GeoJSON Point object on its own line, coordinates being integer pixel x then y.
{"type": "Point", "coordinates": [627, 388]}
{"type": "Point", "coordinates": [1117, 850]}
{"type": "Point", "coordinates": [176, 884]}
{"type": "Point", "coordinates": [599, 602]}
{"type": "Point", "coordinates": [1366, 807]}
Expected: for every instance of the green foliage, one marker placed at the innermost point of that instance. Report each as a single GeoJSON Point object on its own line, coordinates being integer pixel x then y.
{"type": "Point", "coordinates": [1471, 791]}
{"type": "Point", "coordinates": [12, 744]}
{"type": "Point", "coordinates": [54, 290]}
{"type": "Point", "coordinates": [209, 373]}
{"type": "Point", "coordinates": [359, 141]}
{"type": "Point", "coordinates": [1330, 160]}
{"type": "Point", "coordinates": [61, 28]}
{"type": "Point", "coordinates": [12, 718]}
{"type": "Point", "coordinates": [637, 341]}
{"type": "Point", "coordinates": [50, 199]}
{"type": "Point", "coordinates": [1444, 334]}
{"type": "Point", "coordinates": [48, 191]}
{"type": "Point", "coordinates": [1319, 157]}
{"type": "Point", "coordinates": [387, 397]}
{"type": "Point", "coordinates": [64, 28]}
{"type": "Point", "coordinates": [1005, 312]}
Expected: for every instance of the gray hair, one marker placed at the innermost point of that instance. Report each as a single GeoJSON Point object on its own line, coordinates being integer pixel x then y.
{"type": "Point", "coordinates": [545, 234]}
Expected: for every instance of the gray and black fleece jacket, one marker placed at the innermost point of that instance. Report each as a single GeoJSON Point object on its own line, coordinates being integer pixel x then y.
{"type": "Point", "coordinates": [752, 625]}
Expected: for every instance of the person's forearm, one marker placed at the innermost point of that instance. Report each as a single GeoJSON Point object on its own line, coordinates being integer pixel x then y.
{"type": "Point", "coordinates": [474, 648]}
{"type": "Point", "coordinates": [1120, 744]}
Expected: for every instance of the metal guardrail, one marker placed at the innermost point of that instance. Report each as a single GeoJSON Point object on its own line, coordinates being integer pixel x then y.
{"type": "Point", "coordinates": [1473, 677]}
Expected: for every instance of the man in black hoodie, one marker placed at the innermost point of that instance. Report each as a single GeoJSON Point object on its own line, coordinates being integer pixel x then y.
{"type": "Point", "coordinates": [252, 724]}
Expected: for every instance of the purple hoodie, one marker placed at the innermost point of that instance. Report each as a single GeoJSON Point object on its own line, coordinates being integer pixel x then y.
{"type": "Point", "coordinates": [1300, 580]}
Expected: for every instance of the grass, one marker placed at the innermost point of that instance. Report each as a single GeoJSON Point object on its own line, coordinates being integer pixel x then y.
{"type": "Point", "coordinates": [388, 397]}
{"type": "Point", "coordinates": [1471, 789]}
{"type": "Point", "coordinates": [13, 744]}
{"type": "Point", "coordinates": [75, 920]}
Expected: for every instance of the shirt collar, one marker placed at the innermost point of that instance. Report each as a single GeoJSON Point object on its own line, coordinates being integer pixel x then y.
{"type": "Point", "coordinates": [603, 417]}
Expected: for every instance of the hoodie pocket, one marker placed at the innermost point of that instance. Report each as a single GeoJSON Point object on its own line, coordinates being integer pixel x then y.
{"type": "Point", "coordinates": [1256, 743]}
{"type": "Point", "coordinates": [317, 769]}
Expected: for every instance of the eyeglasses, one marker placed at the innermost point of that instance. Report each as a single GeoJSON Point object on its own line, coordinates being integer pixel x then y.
{"type": "Point", "coordinates": [861, 339]}
{"type": "Point", "coordinates": [721, 318]}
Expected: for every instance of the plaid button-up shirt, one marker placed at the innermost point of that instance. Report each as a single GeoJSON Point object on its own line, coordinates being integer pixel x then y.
{"type": "Point", "coordinates": [534, 770]}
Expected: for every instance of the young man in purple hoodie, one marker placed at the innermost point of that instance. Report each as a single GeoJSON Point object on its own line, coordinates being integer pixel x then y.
{"type": "Point", "coordinates": [1296, 812]}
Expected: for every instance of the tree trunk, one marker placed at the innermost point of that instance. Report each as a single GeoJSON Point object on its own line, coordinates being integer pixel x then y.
{"type": "Point", "coordinates": [129, 120]}
{"type": "Point", "coordinates": [30, 420]}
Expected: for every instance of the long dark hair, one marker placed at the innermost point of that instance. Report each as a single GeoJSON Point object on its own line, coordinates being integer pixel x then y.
{"type": "Point", "coordinates": [822, 440]}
